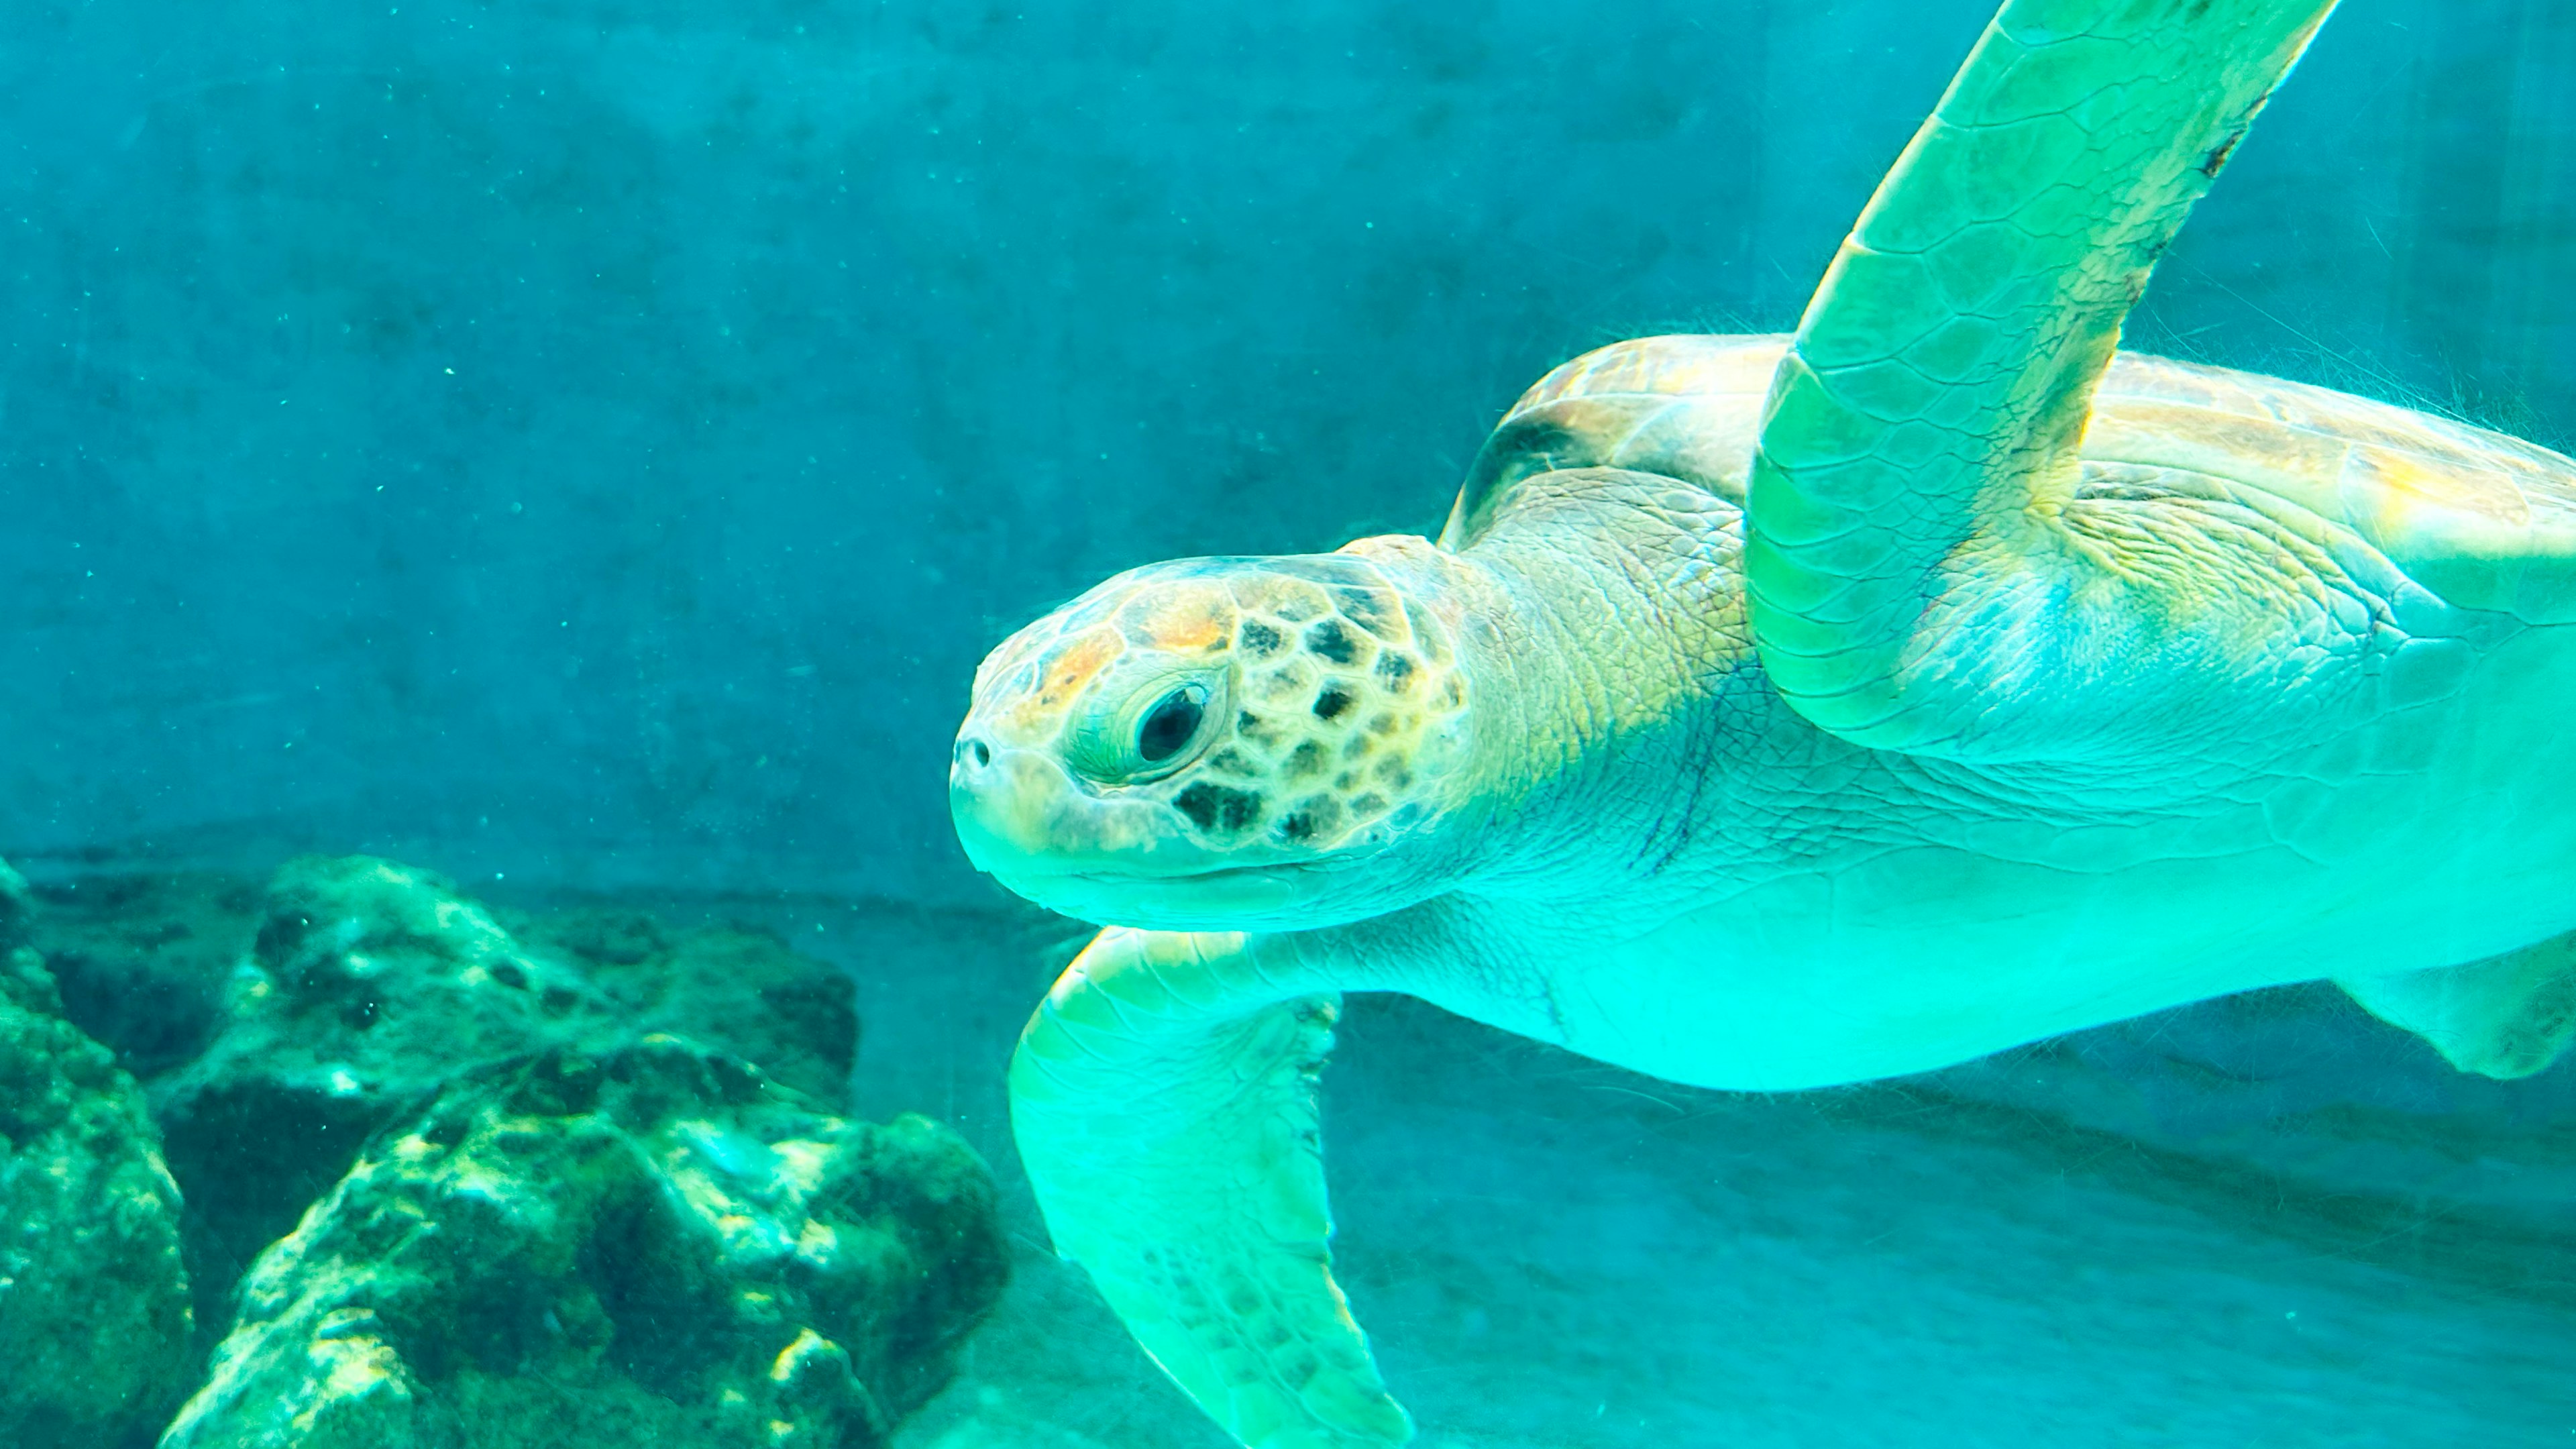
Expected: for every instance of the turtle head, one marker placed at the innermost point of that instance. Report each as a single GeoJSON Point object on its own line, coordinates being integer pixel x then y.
{"type": "Point", "coordinates": [1221, 744]}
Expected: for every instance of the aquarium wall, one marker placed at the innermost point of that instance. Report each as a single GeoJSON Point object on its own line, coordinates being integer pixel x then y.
{"type": "Point", "coordinates": [594, 442]}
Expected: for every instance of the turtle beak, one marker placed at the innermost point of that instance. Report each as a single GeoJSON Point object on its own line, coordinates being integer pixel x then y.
{"type": "Point", "coordinates": [1020, 815]}
{"type": "Point", "coordinates": [1010, 806]}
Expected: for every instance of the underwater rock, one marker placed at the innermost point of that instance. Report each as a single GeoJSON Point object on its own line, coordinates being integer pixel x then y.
{"type": "Point", "coordinates": [368, 984]}
{"type": "Point", "coordinates": [94, 1310]}
{"type": "Point", "coordinates": [727, 986]}
{"type": "Point", "coordinates": [368, 987]}
{"type": "Point", "coordinates": [655, 1245]}
{"type": "Point", "coordinates": [143, 959]}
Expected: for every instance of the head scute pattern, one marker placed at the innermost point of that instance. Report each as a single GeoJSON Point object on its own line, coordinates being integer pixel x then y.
{"type": "Point", "coordinates": [1349, 700]}
{"type": "Point", "coordinates": [1319, 700]}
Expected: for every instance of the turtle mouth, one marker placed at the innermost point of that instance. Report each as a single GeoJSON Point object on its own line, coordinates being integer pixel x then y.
{"type": "Point", "coordinates": [1210, 898]}
{"type": "Point", "coordinates": [1025, 823]}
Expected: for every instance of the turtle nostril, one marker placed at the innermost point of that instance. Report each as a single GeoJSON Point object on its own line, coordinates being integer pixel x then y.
{"type": "Point", "coordinates": [977, 751]}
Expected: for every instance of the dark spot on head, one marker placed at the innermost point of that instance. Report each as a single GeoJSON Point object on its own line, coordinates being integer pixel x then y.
{"type": "Point", "coordinates": [1235, 762]}
{"type": "Point", "coordinates": [509, 975]}
{"type": "Point", "coordinates": [1394, 770]}
{"type": "Point", "coordinates": [1216, 808]}
{"type": "Point", "coordinates": [1329, 640]}
{"type": "Point", "coordinates": [1394, 672]}
{"type": "Point", "coordinates": [1259, 639]}
{"type": "Point", "coordinates": [1307, 759]}
{"type": "Point", "coordinates": [1358, 748]}
{"type": "Point", "coordinates": [1296, 606]}
{"type": "Point", "coordinates": [1333, 702]}
{"type": "Point", "coordinates": [1383, 724]}
{"type": "Point", "coordinates": [1367, 806]}
{"type": "Point", "coordinates": [1315, 815]}
{"type": "Point", "coordinates": [1367, 609]}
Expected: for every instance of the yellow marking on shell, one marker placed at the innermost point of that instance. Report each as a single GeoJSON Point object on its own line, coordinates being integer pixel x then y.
{"type": "Point", "coordinates": [1671, 366]}
{"type": "Point", "coordinates": [2292, 463]}
{"type": "Point", "coordinates": [2483, 519]}
{"type": "Point", "coordinates": [2408, 484]}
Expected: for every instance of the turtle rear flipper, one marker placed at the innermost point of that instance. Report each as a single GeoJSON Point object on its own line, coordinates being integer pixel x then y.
{"type": "Point", "coordinates": [2507, 1016]}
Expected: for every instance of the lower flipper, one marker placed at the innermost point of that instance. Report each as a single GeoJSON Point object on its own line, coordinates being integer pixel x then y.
{"type": "Point", "coordinates": [2507, 1016]}
{"type": "Point", "coordinates": [1164, 1101]}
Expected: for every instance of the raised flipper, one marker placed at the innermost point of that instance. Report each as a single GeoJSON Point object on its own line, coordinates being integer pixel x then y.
{"type": "Point", "coordinates": [1164, 1101]}
{"type": "Point", "coordinates": [2507, 1016]}
{"type": "Point", "coordinates": [1921, 436]}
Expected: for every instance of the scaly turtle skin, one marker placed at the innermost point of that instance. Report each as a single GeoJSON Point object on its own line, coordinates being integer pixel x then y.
{"type": "Point", "coordinates": [1778, 712]}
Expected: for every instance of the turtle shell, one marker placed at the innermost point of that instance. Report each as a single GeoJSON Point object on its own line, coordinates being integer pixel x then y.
{"type": "Point", "coordinates": [2483, 520]}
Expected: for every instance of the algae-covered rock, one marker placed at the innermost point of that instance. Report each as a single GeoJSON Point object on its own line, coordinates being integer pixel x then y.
{"type": "Point", "coordinates": [94, 1317]}
{"type": "Point", "coordinates": [370, 984]}
{"type": "Point", "coordinates": [653, 1245]}
{"type": "Point", "coordinates": [727, 986]}
{"type": "Point", "coordinates": [569, 1229]}
{"type": "Point", "coordinates": [368, 987]}
{"type": "Point", "coordinates": [142, 959]}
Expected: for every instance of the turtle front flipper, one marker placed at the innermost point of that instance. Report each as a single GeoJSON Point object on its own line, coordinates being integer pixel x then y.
{"type": "Point", "coordinates": [1164, 1102]}
{"type": "Point", "coordinates": [1921, 436]}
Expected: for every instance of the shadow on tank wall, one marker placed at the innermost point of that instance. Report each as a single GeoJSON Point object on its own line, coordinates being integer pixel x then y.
{"type": "Point", "coordinates": [595, 441]}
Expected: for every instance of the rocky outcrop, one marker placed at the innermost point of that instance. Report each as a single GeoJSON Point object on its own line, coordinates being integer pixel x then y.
{"type": "Point", "coordinates": [369, 984]}
{"type": "Point", "coordinates": [94, 1318]}
{"type": "Point", "coordinates": [142, 960]}
{"type": "Point", "coordinates": [455, 1177]}
{"type": "Point", "coordinates": [652, 1245]}
{"type": "Point", "coordinates": [724, 985]}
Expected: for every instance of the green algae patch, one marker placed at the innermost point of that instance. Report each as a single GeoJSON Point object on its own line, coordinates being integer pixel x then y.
{"type": "Point", "coordinates": [655, 1244]}
{"type": "Point", "coordinates": [94, 1315]}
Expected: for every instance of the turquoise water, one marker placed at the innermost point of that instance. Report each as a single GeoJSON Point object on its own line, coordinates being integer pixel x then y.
{"type": "Point", "coordinates": [582, 450]}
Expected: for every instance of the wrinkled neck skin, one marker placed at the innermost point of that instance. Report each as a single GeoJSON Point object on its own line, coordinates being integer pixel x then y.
{"type": "Point", "coordinates": [1628, 740]}
{"type": "Point", "coordinates": [1627, 758]}
{"type": "Point", "coordinates": [1621, 720]}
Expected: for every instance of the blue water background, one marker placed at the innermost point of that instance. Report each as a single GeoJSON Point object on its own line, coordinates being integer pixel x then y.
{"type": "Point", "coordinates": [594, 441]}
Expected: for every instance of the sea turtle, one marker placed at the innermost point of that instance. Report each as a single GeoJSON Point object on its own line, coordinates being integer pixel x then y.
{"type": "Point", "coordinates": [1776, 712]}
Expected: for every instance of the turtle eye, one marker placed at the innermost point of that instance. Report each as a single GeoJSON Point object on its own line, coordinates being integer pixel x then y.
{"type": "Point", "coordinates": [1139, 730]}
{"type": "Point", "coordinates": [1171, 724]}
